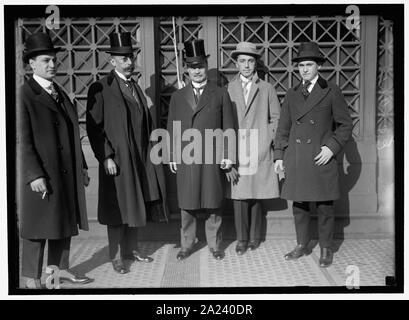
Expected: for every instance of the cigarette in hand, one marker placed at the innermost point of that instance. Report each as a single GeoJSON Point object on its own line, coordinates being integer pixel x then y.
{"type": "Point", "coordinates": [44, 193]}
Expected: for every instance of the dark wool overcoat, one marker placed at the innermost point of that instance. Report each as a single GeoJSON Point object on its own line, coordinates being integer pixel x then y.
{"type": "Point", "coordinates": [120, 198]}
{"type": "Point", "coordinates": [48, 145]}
{"type": "Point", "coordinates": [201, 185]}
{"type": "Point", "coordinates": [304, 127]}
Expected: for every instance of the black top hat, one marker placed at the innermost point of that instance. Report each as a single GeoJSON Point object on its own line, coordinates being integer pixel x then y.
{"type": "Point", "coordinates": [309, 51]}
{"type": "Point", "coordinates": [121, 43]}
{"type": "Point", "coordinates": [36, 44]}
{"type": "Point", "coordinates": [195, 52]}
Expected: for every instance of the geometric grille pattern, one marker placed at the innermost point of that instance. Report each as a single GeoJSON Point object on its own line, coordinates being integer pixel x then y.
{"type": "Point", "coordinates": [186, 28]}
{"type": "Point", "coordinates": [83, 59]}
{"type": "Point", "coordinates": [277, 38]}
{"type": "Point", "coordinates": [385, 90]}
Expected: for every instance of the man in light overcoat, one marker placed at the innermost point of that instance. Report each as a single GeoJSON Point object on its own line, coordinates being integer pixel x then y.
{"type": "Point", "coordinates": [314, 126]}
{"type": "Point", "coordinates": [257, 109]}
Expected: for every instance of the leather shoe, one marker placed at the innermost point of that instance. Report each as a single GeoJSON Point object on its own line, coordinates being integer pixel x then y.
{"type": "Point", "coordinates": [241, 247]}
{"type": "Point", "coordinates": [119, 266]}
{"type": "Point", "coordinates": [297, 252]}
{"type": "Point", "coordinates": [217, 254]}
{"type": "Point", "coordinates": [76, 279]}
{"type": "Point", "coordinates": [326, 257]}
{"type": "Point", "coordinates": [141, 257]}
{"type": "Point", "coordinates": [183, 254]}
{"type": "Point", "coordinates": [254, 244]}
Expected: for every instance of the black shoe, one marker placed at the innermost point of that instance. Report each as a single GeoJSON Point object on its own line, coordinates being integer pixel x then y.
{"type": "Point", "coordinates": [254, 244]}
{"type": "Point", "coordinates": [183, 254]}
{"type": "Point", "coordinates": [119, 266]}
{"type": "Point", "coordinates": [141, 257]}
{"type": "Point", "coordinates": [297, 252]}
{"type": "Point", "coordinates": [241, 247]}
{"type": "Point", "coordinates": [74, 279]}
{"type": "Point", "coordinates": [217, 254]}
{"type": "Point", "coordinates": [326, 257]}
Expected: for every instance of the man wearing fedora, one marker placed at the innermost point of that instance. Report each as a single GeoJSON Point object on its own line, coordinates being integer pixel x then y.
{"type": "Point", "coordinates": [200, 105]}
{"type": "Point", "coordinates": [119, 126]}
{"type": "Point", "coordinates": [256, 105]}
{"type": "Point", "coordinates": [51, 167]}
{"type": "Point", "coordinates": [314, 126]}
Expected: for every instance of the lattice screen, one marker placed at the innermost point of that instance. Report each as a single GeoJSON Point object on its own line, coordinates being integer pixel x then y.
{"type": "Point", "coordinates": [83, 59]}
{"type": "Point", "coordinates": [385, 113]}
{"type": "Point", "coordinates": [187, 28]}
{"type": "Point", "coordinates": [278, 38]}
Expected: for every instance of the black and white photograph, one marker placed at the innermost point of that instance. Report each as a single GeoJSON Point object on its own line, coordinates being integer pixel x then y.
{"type": "Point", "coordinates": [204, 148]}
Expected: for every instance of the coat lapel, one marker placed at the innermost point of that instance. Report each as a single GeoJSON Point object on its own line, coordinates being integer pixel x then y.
{"type": "Point", "coordinates": [237, 92]}
{"type": "Point", "coordinates": [42, 97]}
{"type": "Point", "coordinates": [205, 97]}
{"type": "Point", "coordinates": [253, 92]}
{"type": "Point", "coordinates": [319, 91]}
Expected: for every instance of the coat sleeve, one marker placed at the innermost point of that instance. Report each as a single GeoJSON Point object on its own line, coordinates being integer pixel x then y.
{"type": "Point", "coordinates": [229, 127]}
{"type": "Point", "coordinates": [273, 110]}
{"type": "Point", "coordinates": [99, 142]}
{"type": "Point", "coordinates": [283, 131]}
{"type": "Point", "coordinates": [343, 122]}
{"type": "Point", "coordinates": [32, 167]}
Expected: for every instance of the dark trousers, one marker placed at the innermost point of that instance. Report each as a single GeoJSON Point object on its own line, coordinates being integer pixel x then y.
{"type": "Point", "coordinates": [212, 228]}
{"type": "Point", "coordinates": [122, 241]}
{"type": "Point", "coordinates": [33, 255]}
{"type": "Point", "coordinates": [326, 218]}
{"type": "Point", "coordinates": [248, 219]}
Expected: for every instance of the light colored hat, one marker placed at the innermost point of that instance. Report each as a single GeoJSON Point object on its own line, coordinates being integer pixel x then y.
{"type": "Point", "coordinates": [245, 48]}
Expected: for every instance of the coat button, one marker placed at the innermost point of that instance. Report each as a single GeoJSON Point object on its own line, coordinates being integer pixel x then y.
{"type": "Point", "coordinates": [308, 141]}
{"type": "Point", "coordinates": [298, 140]}
{"type": "Point", "coordinates": [312, 121]}
{"type": "Point", "coordinates": [297, 122]}
{"type": "Point", "coordinates": [64, 171]}
{"type": "Point", "coordinates": [56, 122]}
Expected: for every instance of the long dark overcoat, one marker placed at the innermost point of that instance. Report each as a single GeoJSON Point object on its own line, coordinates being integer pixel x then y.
{"type": "Point", "coordinates": [201, 186]}
{"type": "Point", "coordinates": [48, 145]}
{"type": "Point", "coordinates": [304, 127]}
{"type": "Point", "coordinates": [120, 197]}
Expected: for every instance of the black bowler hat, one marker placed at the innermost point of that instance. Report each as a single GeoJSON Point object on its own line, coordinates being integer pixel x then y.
{"type": "Point", "coordinates": [309, 51]}
{"type": "Point", "coordinates": [36, 44]}
{"type": "Point", "coordinates": [121, 43]}
{"type": "Point", "coordinates": [195, 52]}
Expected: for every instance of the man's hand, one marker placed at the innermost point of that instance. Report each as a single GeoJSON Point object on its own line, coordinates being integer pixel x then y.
{"type": "Point", "coordinates": [39, 185]}
{"type": "Point", "coordinates": [110, 167]}
{"type": "Point", "coordinates": [226, 164]}
{"type": "Point", "coordinates": [324, 156]}
{"type": "Point", "coordinates": [85, 177]}
{"type": "Point", "coordinates": [232, 175]}
{"type": "Point", "coordinates": [173, 167]}
{"type": "Point", "coordinates": [278, 166]}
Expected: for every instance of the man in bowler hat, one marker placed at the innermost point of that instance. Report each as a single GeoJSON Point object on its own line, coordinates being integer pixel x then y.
{"type": "Point", "coordinates": [200, 105]}
{"type": "Point", "coordinates": [119, 126]}
{"type": "Point", "coordinates": [52, 171]}
{"type": "Point", "coordinates": [305, 148]}
{"type": "Point", "coordinates": [256, 105]}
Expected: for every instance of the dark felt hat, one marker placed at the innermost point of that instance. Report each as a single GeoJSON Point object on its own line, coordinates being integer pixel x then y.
{"type": "Point", "coordinates": [36, 44]}
{"type": "Point", "coordinates": [309, 51]}
{"type": "Point", "coordinates": [195, 52]}
{"type": "Point", "coordinates": [121, 43]}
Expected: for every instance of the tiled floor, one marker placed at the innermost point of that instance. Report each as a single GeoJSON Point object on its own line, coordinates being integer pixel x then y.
{"type": "Point", "coordinates": [370, 259]}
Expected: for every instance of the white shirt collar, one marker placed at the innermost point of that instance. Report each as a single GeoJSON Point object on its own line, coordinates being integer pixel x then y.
{"type": "Point", "coordinates": [122, 76]}
{"type": "Point", "coordinates": [313, 81]}
{"type": "Point", "coordinates": [246, 80]}
{"type": "Point", "coordinates": [199, 85]}
{"type": "Point", "coordinates": [44, 83]}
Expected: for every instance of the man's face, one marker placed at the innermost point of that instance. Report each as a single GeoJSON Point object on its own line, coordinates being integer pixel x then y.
{"type": "Point", "coordinates": [124, 64]}
{"type": "Point", "coordinates": [198, 72]}
{"type": "Point", "coordinates": [308, 69]}
{"type": "Point", "coordinates": [246, 65]}
{"type": "Point", "coordinates": [44, 65]}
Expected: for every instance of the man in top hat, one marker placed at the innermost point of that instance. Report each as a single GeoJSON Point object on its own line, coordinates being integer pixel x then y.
{"type": "Point", "coordinates": [256, 105]}
{"type": "Point", "coordinates": [119, 126]}
{"type": "Point", "coordinates": [52, 171]}
{"type": "Point", "coordinates": [199, 106]}
{"type": "Point", "coordinates": [305, 148]}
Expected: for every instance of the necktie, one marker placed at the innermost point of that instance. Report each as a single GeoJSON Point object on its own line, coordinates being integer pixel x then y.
{"type": "Point", "coordinates": [197, 94]}
{"type": "Point", "coordinates": [305, 87]}
{"type": "Point", "coordinates": [246, 90]}
{"type": "Point", "coordinates": [131, 87]}
{"type": "Point", "coordinates": [54, 92]}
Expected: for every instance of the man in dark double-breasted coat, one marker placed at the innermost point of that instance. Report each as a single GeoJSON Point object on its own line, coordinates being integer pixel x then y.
{"type": "Point", "coordinates": [314, 126]}
{"type": "Point", "coordinates": [199, 106]}
{"type": "Point", "coordinates": [119, 126]}
{"type": "Point", "coordinates": [51, 167]}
